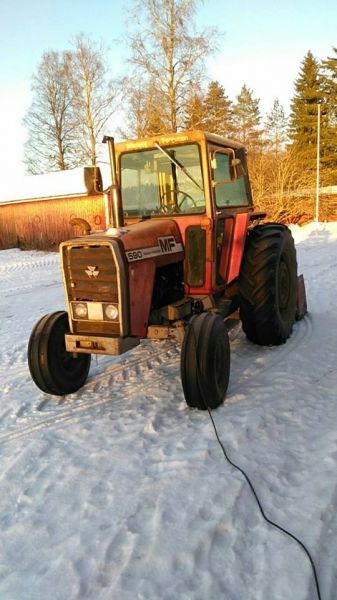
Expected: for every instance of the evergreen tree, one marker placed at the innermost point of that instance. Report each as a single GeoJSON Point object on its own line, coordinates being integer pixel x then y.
{"type": "Point", "coordinates": [145, 115]}
{"type": "Point", "coordinates": [276, 125]}
{"type": "Point", "coordinates": [247, 119]}
{"type": "Point", "coordinates": [195, 111]}
{"type": "Point", "coordinates": [217, 110]}
{"type": "Point", "coordinates": [304, 108]}
{"type": "Point", "coordinates": [330, 120]}
{"type": "Point", "coordinates": [330, 86]}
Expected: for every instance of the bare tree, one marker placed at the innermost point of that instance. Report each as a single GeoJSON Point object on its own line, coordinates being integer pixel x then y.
{"type": "Point", "coordinates": [168, 53]}
{"type": "Point", "coordinates": [94, 95]}
{"type": "Point", "coordinates": [50, 119]}
{"type": "Point", "coordinates": [281, 186]}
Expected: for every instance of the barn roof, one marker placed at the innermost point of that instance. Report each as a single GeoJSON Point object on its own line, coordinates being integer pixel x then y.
{"type": "Point", "coordinates": [81, 181]}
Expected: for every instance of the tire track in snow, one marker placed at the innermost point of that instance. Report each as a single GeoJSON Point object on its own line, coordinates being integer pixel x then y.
{"type": "Point", "coordinates": [113, 375]}
{"type": "Point", "coordinates": [259, 359]}
{"type": "Point", "coordinates": [29, 287]}
{"type": "Point", "coordinates": [29, 264]}
{"type": "Point", "coordinates": [115, 379]}
{"type": "Point", "coordinates": [113, 382]}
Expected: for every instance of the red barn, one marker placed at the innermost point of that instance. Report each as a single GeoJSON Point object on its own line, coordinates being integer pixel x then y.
{"type": "Point", "coordinates": [37, 213]}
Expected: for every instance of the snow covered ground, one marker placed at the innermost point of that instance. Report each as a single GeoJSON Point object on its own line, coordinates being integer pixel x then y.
{"type": "Point", "coordinates": [121, 492]}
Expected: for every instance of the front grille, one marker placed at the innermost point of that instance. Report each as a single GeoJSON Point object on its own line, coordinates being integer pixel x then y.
{"type": "Point", "coordinates": [78, 263]}
{"type": "Point", "coordinates": [77, 260]}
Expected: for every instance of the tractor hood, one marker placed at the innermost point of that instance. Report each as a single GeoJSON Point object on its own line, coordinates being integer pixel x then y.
{"type": "Point", "coordinates": [150, 239]}
{"type": "Point", "coordinates": [158, 239]}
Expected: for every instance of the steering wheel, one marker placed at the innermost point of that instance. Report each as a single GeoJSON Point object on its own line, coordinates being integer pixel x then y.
{"type": "Point", "coordinates": [167, 209]}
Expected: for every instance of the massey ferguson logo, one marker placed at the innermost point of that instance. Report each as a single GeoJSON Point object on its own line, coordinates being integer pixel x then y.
{"type": "Point", "coordinates": [167, 244]}
{"type": "Point", "coordinates": [92, 272]}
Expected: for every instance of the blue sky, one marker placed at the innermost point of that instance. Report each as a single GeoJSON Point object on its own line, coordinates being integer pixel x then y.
{"type": "Point", "coordinates": [262, 46]}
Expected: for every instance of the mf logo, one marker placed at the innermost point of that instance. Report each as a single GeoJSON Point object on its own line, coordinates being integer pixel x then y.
{"type": "Point", "coordinates": [167, 244]}
{"type": "Point", "coordinates": [92, 272]}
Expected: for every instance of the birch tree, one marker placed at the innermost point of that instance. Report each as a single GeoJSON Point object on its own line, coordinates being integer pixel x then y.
{"type": "Point", "coordinates": [50, 119]}
{"type": "Point", "coordinates": [95, 95]}
{"type": "Point", "coordinates": [168, 53]}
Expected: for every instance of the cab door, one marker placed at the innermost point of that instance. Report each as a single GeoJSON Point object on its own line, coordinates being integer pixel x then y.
{"type": "Point", "coordinates": [232, 204]}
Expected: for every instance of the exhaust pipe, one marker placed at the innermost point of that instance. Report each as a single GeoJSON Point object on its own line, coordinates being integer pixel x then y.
{"type": "Point", "coordinates": [116, 216]}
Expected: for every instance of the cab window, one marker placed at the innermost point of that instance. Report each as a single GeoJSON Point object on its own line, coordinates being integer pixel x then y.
{"type": "Point", "coordinates": [228, 191]}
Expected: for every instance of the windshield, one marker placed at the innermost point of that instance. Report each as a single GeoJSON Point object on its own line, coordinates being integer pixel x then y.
{"type": "Point", "coordinates": [155, 182]}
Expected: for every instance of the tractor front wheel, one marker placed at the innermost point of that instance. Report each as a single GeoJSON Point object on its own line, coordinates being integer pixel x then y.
{"type": "Point", "coordinates": [53, 369]}
{"type": "Point", "coordinates": [205, 361]}
{"type": "Point", "coordinates": [268, 285]}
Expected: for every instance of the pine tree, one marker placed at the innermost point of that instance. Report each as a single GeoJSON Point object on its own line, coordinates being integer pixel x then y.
{"type": "Point", "coordinates": [195, 111]}
{"type": "Point", "coordinates": [217, 110]}
{"type": "Point", "coordinates": [145, 115]}
{"type": "Point", "coordinates": [247, 119]}
{"type": "Point", "coordinates": [330, 71]}
{"type": "Point", "coordinates": [303, 116]}
{"type": "Point", "coordinates": [276, 126]}
{"type": "Point", "coordinates": [330, 121]}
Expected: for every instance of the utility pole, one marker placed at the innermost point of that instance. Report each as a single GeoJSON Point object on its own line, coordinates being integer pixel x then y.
{"type": "Point", "coordinates": [318, 156]}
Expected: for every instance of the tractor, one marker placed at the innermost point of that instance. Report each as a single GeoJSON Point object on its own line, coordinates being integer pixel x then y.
{"type": "Point", "coordinates": [183, 251]}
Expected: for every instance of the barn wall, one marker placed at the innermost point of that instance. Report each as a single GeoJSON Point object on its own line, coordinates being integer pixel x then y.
{"type": "Point", "coordinates": [43, 224]}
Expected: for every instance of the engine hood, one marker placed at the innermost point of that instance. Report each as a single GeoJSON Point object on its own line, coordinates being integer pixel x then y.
{"type": "Point", "coordinates": [159, 239]}
{"type": "Point", "coordinates": [150, 239]}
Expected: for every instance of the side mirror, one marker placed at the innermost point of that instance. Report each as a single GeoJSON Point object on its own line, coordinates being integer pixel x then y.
{"type": "Point", "coordinates": [237, 168]}
{"type": "Point", "coordinates": [226, 167]}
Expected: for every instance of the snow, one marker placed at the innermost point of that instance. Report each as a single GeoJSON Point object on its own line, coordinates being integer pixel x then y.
{"type": "Point", "coordinates": [49, 185]}
{"type": "Point", "coordinates": [121, 492]}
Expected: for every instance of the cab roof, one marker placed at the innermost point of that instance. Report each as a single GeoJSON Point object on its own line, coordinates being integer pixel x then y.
{"type": "Point", "coordinates": [170, 139]}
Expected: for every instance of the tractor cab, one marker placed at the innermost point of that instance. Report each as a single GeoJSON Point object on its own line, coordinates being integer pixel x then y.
{"type": "Point", "coordinates": [200, 181]}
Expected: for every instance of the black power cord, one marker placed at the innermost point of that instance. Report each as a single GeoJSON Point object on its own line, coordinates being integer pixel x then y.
{"type": "Point", "coordinates": [292, 536]}
{"type": "Point", "coordinates": [269, 521]}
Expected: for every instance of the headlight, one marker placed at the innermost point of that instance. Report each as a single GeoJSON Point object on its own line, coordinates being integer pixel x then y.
{"type": "Point", "coordinates": [80, 310]}
{"type": "Point", "coordinates": [111, 312]}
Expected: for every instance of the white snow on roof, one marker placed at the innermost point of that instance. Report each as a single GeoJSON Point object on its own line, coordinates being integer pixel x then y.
{"type": "Point", "coordinates": [74, 182]}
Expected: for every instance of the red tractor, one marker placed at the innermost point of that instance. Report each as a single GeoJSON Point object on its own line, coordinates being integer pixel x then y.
{"type": "Point", "coordinates": [179, 257]}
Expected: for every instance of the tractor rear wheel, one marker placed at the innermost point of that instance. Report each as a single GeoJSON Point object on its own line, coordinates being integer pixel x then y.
{"type": "Point", "coordinates": [53, 369]}
{"type": "Point", "coordinates": [205, 361]}
{"type": "Point", "coordinates": [268, 285]}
